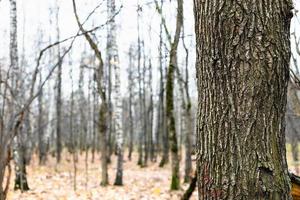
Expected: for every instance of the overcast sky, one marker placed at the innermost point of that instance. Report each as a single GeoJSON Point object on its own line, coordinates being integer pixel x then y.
{"type": "Point", "coordinates": [35, 14]}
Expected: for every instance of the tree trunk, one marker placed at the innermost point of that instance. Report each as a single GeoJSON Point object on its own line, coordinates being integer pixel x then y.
{"type": "Point", "coordinates": [187, 117]}
{"type": "Point", "coordinates": [188, 145]}
{"type": "Point", "coordinates": [109, 86]}
{"type": "Point", "coordinates": [2, 172]}
{"type": "Point", "coordinates": [58, 97]}
{"type": "Point", "coordinates": [18, 151]}
{"type": "Point", "coordinates": [130, 88]}
{"type": "Point", "coordinates": [150, 114]}
{"type": "Point", "coordinates": [141, 122]}
{"type": "Point", "coordinates": [20, 165]}
{"type": "Point", "coordinates": [295, 105]}
{"type": "Point", "coordinates": [243, 53]}
{"type": "Point", "coordinates": [94, 137]}
{"type": "Point", "coordinates": [162, 115]}
{"type": "Point", "coordinates": [113, 59]}
{"type": "Point", "coordinates": [41, 133]}
{"type": "Point", "coordinates": [144, 110]}
{"type": "Point", "coordinates": [103, 143]}
{"type": "Point", "coordinates": [103, 113]}
{"type": "Point", "coordinates": [175, 182]}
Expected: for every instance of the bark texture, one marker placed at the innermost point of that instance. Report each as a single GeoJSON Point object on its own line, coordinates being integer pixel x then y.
{"type": "Point", "coordinates": [113, 58]}
{"type": "Point", "coordinates": [243, 54]}
{"type": "Point", "coordinates": [18, 151]}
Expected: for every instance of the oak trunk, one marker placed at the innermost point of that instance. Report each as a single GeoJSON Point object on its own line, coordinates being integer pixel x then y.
{"type": "Point", "coordinates": [243, 53]}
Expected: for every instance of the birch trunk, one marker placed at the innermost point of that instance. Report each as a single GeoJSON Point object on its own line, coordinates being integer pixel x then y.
{"type": "Point", "coordinates": [18, 152]}
{"type": "Point", "coordinates": [114, 62]}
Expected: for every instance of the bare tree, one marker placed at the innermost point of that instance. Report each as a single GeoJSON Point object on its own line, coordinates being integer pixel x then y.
{"type": "Point", "coordinates": [173, 65]}
{"type": "Point", "coordinates": [103, 113]}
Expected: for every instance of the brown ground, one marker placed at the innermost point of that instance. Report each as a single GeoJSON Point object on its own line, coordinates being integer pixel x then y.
{"type": "Point", "coordinates": [55, 182]}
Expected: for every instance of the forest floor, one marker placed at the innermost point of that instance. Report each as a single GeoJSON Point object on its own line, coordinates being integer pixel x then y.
{"type": "Point", "coordinates": [56, 182]}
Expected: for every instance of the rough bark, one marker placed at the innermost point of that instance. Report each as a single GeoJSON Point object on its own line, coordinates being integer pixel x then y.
{"type": "Point", "coordinates": [243, 53]}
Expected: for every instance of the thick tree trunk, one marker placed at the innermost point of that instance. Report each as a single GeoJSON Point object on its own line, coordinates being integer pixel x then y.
{"type": "Point", "coordinates": [243, 55]}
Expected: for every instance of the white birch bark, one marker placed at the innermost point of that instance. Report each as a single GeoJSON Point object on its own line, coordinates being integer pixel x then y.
{"type": "Point", "coordinates": [114, 62]}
